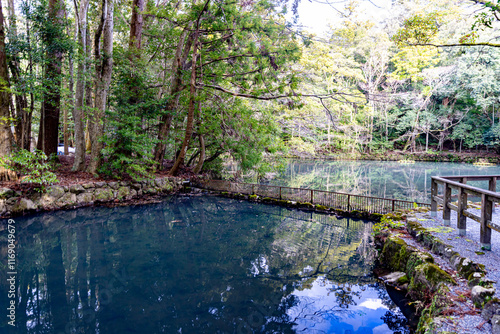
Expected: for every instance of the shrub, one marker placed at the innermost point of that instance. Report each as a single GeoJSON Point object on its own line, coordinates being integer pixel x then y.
{"type": "Point", "coordinates": [33, 165]}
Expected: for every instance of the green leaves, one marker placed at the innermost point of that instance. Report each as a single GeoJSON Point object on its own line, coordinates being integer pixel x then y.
{"type": "Point", "coordinates": [33, 165]}
{"type": "Point", "coordinates": [419, 29]}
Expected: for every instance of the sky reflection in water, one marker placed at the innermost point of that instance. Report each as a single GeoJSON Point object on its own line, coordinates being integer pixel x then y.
{"type": "Point", "coordinates": [197, 265]}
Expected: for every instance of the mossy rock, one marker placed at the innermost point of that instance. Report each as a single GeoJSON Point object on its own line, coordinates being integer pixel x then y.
{"type": "Point", "coordinates": [396, 215]}
{"type": "Point", "coordinates": [416, 259]}
{"type": "Point", "coordinates": [430, 322]}
{"type": "Point", "coordinates": [395, 254]}
{"type": "Point", "coordinates": [427, 279]}
{"type": "Point", "coordinates": [376, 217]}
{"type": "Point", "coordinates": [103, 195]}
{"type": "Point", "coordinates": [356, 213]}
{"type": "Point", "coordinates": [306, 205]}
{"type": "Point", "coordinates": [466, 267]}
{"type": "Point", "coordinates": [321, 207]}
{"type": "Point", "coordinates": [253, 197]}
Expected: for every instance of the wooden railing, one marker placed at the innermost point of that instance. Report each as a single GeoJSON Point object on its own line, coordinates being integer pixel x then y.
{"type": "Point", "coordinates": [335, 200]}
{"type": "Point", "coordinates": [488, 199]}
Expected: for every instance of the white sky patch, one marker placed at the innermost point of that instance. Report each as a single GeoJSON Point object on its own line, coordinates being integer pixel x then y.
{"type": "Point", "coordinates": [316, 17]}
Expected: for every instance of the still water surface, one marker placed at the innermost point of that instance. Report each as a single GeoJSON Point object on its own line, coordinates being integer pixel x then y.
{"type": "Point", "coordinates": [197, 265]}
{"type": "Point", "coordinates": [388, 179]}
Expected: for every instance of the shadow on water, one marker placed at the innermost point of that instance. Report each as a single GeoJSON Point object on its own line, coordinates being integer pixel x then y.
{"type": "Point", "coordinates": [196, 265]}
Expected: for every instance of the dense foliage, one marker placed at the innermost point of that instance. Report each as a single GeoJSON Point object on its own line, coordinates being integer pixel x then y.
{"type": "Point", "coordinates": [200, 83]}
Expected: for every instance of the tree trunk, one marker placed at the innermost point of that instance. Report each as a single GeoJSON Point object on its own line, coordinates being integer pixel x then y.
{"type": "Point", "coordinates": [78, 112]}
{"type": "Point", "coordinates": [22, 115]}
{"type": "Point", "coordinates": [192, 98]}
{"type": "Point", "coordinates": [201, 160]}
{"type": "Point", "coordinates": [136, 28]}
{"type": "Point", "coordinates": [51, 105]}
{"type": "Point", "coordinates": [175, 90]}
{"type": "Point", "coordinates": [190, 118]}
{"type": "Point", "coordinates": [5, 133]}
{"type": "Point", "coordinates": [104, 67]}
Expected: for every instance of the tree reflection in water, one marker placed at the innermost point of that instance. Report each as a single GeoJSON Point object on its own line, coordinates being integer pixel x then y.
{"type": "Point", "coordinates": [388, 179]}
{"type": "Point", "coordinates": [196, 265]}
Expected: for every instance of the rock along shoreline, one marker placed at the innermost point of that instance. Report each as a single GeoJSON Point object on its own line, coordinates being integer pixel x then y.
{"type": "Point", "coordinates": [15, 203]}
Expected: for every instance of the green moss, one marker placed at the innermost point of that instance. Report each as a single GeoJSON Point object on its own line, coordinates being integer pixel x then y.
{"type": "Point", "coordinates": [416, 259]}
{"type": "Point", "coordinates": [466, 267]}
{"type": "Point", "coordinates": [395, 254]}
{"type": "Point", "coordinates": [321, 207]}
{"type": "Point", "coordinates": [479, 253]}
{"type": "Point", "coordinates": [403, 280]}
{"type": "Point", "coordinates": [376, 216]}
{"type": "Point", "coordinates": [253, 197]}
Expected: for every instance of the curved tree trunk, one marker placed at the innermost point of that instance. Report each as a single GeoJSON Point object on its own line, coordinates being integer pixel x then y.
{"type": "Point", "coordinates": [190, 117]}
{"type": "Point", "coordinates": [175, 90]}
{"type": "Point", "coordinates": [192, 99]}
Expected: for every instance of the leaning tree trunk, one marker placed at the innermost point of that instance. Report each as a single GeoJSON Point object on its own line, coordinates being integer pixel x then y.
{"type": "Point", "coordinates": [192, 98]}
{"type": "Point", "coordinates": [192, 106]}
{"type": "Point", "coordinates": [175, 90]}
{"type": "Point", "coordinates": [5, 133]}
{"type": "Point", "coordinates": [104, 67]}
{"type": "Point", "coordinates": [78, 112]}
{"type": "Point", "coordinates": [51, 105]}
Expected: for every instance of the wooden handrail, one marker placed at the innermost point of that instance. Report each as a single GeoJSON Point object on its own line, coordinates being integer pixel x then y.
{"type": "Point", "coordinates": [488, 198]}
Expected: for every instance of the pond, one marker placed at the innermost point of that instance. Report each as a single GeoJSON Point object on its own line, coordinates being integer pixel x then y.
{"type": "Point", "coordinates": [196, 265]}
{"type": "Point", "coordinates": [388, 179]}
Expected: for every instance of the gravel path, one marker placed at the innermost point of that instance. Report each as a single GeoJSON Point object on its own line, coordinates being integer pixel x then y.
{"type": "Point", "coordinates": [467, 246]}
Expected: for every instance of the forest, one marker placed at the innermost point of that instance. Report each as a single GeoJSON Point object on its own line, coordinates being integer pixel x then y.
{"type": "Point", "coordinates": [141, 86]}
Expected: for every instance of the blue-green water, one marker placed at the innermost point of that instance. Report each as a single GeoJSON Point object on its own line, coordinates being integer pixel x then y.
{"type": "Point", "coordinates": [388, 179]}
{"type": "Point", "coordinates": [195, 265]}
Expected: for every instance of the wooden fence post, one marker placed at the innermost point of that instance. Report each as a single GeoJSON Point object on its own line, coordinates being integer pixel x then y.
{"type": "Point", "coordinates": [280, 193]}
{"type": "Point", "coordinates": [461, 207]}
{"type": "Point", "coordinates": [446, 201]}
{"type": "Point", "coordinates": [348, 202]}
{"type": "Point", "coordinates": [434, 192]}
{"type": "Point", "coordinates": [312, 196]}
{"type": "Point", "coordinates": [486, 215]}
{"type": "Point", "coordinates": [393, 205]}
{"type": "Point", "coordinates": [492, 186]}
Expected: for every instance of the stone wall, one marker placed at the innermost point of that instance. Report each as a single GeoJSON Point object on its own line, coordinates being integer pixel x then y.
{"type": "Point", "coordinates": [78, 195]}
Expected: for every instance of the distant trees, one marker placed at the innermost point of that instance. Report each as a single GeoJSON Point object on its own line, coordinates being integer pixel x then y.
{"type": "Point", "coordinates": [190, 84]}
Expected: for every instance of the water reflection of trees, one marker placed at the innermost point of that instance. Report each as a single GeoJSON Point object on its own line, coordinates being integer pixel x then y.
{"type": "Point", "coordinates": [103, 270]}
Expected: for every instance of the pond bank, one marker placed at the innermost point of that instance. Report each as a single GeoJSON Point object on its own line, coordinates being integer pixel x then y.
{"type": "Point", "coordinates": [13, 203]}
{"type": "Point", "coordinates": [441, 156]}
{"type": "Point", "coordinates": [452, 293]}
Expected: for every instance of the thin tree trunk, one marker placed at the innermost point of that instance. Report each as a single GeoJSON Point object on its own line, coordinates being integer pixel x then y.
{"type": "Point", "coordinates": [21, 103]}
{"type": "Point", "coordinates": [5, 133]}
{"type": "Point", "coordinates": [78, 112]}
{"type": "Point", "coordinates": [104, 67]}
{"type": "Point", "coordinates": [201, 160]}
